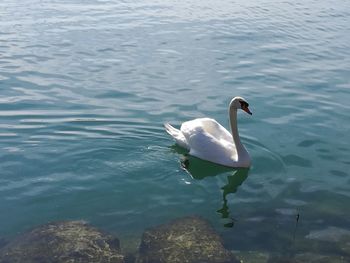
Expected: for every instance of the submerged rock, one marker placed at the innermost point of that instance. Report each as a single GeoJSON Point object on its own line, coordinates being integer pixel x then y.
{"type": "Point", "coordinates": [316, 258]}
{"type": "Point", "coordinates": [189, 239]}
{"type": "Point", "coordinates": [252, 256]}
{"type": "Point", "coordinates": [332, 234]}
{"type": "Point", "coordinates": [345, 246]}
{"type": "Point", "coordinates": [282, 259]}
{"type": "Point", "coordinates": [3, 242]}
{"type": "Point", "coordinates": [70, 241]}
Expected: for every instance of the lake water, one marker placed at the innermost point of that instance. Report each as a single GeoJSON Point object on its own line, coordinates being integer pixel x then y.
{"type": "Point", "coordinates": [86, 86]}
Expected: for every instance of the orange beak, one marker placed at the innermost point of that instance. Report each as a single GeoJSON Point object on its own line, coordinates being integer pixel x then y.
{"type": "Point", "coordinates": [246, 109]}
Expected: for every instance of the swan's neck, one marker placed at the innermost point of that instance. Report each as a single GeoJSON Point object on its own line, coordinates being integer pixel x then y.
{"type": "Point", "coordinates": [233, 122]}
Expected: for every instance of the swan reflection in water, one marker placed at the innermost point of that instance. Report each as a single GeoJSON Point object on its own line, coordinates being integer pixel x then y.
{"type": "Point", "coordinates": [199, 169]}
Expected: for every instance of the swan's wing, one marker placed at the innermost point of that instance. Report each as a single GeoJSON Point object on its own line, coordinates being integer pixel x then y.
{"type": "Point", "coordinates": [214, 128]}
{"type": "Point", "coordinates": [203, 144]}
{"type": "Point", "coordinates": [208, 125]}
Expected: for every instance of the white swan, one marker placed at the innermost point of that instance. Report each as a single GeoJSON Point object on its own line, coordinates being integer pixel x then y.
{"type": "Point", "coordinates": [206, 139]}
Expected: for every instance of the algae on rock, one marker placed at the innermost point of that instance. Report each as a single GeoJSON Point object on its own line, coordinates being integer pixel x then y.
{"type": "Point", "coordinates": [189, 239]}
{"type": "Point", "coordinates": [67, 241]}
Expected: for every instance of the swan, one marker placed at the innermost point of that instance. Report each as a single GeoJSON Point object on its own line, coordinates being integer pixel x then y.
{"type": "Point", "coordinates": [206, 139]}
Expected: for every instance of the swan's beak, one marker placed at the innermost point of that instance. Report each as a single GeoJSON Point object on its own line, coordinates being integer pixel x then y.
{"type": "Point", "coordinates": [246, 109]}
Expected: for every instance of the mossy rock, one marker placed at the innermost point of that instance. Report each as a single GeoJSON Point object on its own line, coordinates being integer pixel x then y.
{"type": "Point", "coordinates": [70, 241]}
{"type": "Point", "coordinates": [185, 240]}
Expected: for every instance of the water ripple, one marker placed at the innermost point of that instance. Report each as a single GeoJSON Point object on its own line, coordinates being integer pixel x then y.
{"type": "Point", "coordinates": [86, 85]}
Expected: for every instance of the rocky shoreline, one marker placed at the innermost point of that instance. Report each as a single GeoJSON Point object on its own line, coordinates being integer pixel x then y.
{"type": "Point", "coordinates": [189, 239]}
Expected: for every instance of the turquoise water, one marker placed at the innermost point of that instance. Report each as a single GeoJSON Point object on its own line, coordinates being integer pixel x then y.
{"type": "Point", "coordinates": [86, 86]}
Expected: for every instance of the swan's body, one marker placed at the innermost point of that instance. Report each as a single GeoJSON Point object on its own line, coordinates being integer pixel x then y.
{"type": "Point", "coordinates": [208, 140]}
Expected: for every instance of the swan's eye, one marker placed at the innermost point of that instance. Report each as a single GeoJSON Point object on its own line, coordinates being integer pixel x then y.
{"type": "Point", "coordinates": [244, 104]}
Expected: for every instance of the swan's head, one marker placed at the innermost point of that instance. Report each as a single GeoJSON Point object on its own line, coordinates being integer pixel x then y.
{"type": "Point", "coordinates": [240, 103]}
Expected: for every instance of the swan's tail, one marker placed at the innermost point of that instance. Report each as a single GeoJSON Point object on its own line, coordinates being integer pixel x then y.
{"type": "Point", "coordinates": [177, 135]}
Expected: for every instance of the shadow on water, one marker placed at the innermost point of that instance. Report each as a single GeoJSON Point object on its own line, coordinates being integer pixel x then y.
{"type": "Point", "coordinates": [199, 169]}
